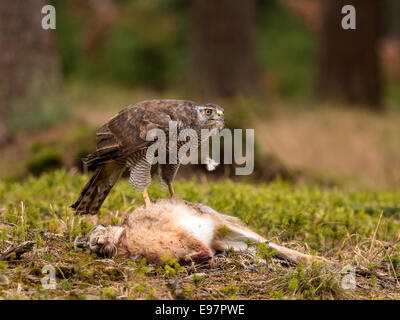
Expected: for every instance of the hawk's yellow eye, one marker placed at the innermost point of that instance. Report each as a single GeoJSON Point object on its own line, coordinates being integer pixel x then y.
{"type": "Point", "coordinates": [208, 112]}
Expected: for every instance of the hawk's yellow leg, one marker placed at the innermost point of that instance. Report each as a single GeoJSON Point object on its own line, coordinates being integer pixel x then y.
{"type": "Point", "coordinates": [171, 190]}
{"type": "Point", "coordinates": [146, 198]}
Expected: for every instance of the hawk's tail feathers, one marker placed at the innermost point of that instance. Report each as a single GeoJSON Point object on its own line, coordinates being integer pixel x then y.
{"type": "Point", "coordinates": [97, 188]}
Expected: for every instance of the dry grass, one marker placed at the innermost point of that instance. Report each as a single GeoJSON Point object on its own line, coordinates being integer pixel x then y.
{"type": "Point", "coordinates": [359, 145]}
{"type": "Point", "coordinates": [81, 275]}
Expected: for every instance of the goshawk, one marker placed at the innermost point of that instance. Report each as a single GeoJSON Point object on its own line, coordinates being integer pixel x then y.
{"type": "Point", "coordinates": [122, 144]}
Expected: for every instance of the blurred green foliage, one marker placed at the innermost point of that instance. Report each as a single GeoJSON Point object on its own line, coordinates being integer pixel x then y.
{"type": "Point", "coordinates": [42, 105]}
{"type": "Point", "coordinates": [144, 46]}
{"type": "Point", "coordinates": [43, 161]}
{"type": "Point", "coordinates": [286, 50]}
{"type": "Point", "coordinates": [149, 45]}
{"type": "Point", "coordinates": [66, 151]}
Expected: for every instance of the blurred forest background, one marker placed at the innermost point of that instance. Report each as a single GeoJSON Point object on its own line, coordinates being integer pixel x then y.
{"type": "Point", "coordinates": [324, 102]}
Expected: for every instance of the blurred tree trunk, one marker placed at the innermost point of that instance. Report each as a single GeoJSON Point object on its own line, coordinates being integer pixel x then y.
{"type": "Point", "coordinates": [391, 21]}
{"type": "Point", "coordinates": [348, 59]}
{"type": "Point", "coordinates": [223, 47]}
{"type": "Point", "coordinates": [27, 51]}
{"type": "Point", "coordinates": [390, 40]}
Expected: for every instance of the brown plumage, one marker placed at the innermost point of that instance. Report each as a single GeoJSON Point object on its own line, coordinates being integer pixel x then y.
{"type": "Point", "coordinates": [98, 187]}
{"type": "Point", "coordinates": [122, 144]}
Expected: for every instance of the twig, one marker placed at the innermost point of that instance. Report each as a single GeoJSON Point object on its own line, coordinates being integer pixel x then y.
{"type": "Point", "coordinates": [18, 250]}
{"type": "Point", "coordinates": [391, 265]}
{"type": "Point", "coordinates": [374, 236]}
{"type": "Point", "coordinates": [9, 223]}
{"type": "Point", "coordinates": [22, 214]}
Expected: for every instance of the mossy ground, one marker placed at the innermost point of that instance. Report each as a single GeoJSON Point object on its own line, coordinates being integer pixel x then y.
{"type": "Point", "coordinates": [360, 228]}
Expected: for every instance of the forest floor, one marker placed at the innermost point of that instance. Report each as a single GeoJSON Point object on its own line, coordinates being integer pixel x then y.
{"type": "Point", "coordinates": [358, 229]}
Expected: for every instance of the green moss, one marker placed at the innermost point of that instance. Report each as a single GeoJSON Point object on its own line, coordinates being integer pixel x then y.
{"type": "Point", "coordinates": [65, 285]}
{"type": "Point", "coordinates": [198, 278]}
{"type": "Point", "coordinates": [47, 257]}
{"type": "Point", "coordinates": [108, 293]}
{"type": "Point", "coordinates": [230, 289]}
{"type": "Point", "coordinates": [322, 218]}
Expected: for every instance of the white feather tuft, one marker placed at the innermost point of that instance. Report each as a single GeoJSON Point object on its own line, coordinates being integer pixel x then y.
{"type": "Point", "coordinates": [211, 164]}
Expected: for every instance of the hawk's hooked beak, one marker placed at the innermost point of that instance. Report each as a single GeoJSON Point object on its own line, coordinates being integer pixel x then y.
{"type": "Point", "coordinates": [220, 116]}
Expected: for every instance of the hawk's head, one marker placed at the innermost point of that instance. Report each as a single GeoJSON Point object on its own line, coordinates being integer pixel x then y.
{"type": "Point", "coordinates": [210, 116]}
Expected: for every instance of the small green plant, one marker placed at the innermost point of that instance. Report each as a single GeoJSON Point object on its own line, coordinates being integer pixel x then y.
{"type": "Point", "coordinates": [152, 294]}
{"type": "Point", "coordinates": [108, 293]}
{"type": "Point", "coordinates": [140, 288]}
{"type": "Point", "coordinates": [224, 230]}
{"type": "Point", "coordinates": [310, 282]}
{"type": "Point", "coordinates": [65, 284]}
{"type": "Point", "coordinates": [3, 266]}
{"type": "Point", "coordinates": [265, 252]}
{"type": "Point", "coordinates": [171, 265]}
{"type": "Point", "coordinates": [47, 257]}
{"type": "Point", "coordinates": [230, 289]}
{"type": "Point", "coordinates": [198, 278]}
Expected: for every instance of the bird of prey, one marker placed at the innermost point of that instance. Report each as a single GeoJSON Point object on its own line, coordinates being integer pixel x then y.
{"type": "Point", "coordinates": [122, 144]}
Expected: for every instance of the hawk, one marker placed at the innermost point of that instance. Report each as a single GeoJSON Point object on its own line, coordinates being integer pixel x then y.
{"type": "Point", "coordinates": [122, 144]}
